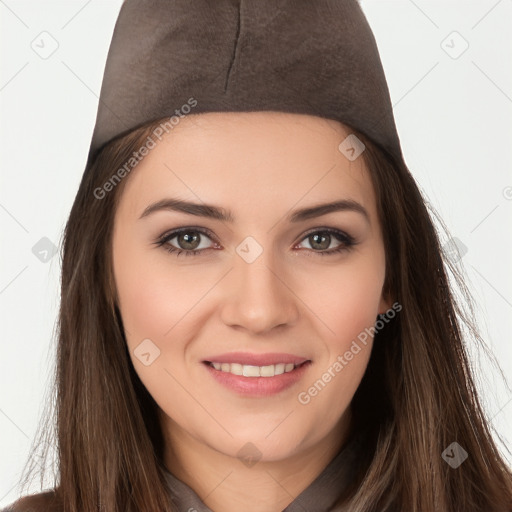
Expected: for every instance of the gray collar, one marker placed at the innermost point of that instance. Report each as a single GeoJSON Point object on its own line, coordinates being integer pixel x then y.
{"type": "Point", "coordinates": [319, 496]}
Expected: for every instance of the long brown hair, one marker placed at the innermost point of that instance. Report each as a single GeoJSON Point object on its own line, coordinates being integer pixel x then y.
{"type": "Point", "coordinates": [416, 398]}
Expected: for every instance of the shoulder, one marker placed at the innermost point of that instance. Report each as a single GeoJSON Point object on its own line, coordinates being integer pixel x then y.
{"type": "Point", "coordinates": [42, 502]}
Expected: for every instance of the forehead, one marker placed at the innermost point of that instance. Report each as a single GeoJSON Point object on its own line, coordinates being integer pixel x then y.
{"type": "Point", "coordinates": [267, 161]}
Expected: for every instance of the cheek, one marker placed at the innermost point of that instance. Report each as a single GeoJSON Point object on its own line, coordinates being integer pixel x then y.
{"type": "Point", "coordinates": [346, 299]}
{"type": "Point", "coordinates": [347, 302]}
{"type": "Point", "coordinates": [142, 298]}
{"type": "Point", "coordinates": [155, 302]}
{"type": "Point", "coordinates": [153, 294]}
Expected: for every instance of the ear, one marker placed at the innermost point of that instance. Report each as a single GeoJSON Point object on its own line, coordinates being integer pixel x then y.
{"type": "Point", "coordinates": [385, 303]}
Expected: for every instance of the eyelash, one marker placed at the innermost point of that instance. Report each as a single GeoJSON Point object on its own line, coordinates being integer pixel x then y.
{"type": "Point", "coordinates": [347, 241]}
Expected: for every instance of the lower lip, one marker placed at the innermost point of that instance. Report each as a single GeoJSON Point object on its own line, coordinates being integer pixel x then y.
{"type": "Point", "coordinates": [258, 386]}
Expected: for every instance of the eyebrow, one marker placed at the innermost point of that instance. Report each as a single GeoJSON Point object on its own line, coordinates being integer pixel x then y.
{"type": "Point", "coordinates": [217, 213]}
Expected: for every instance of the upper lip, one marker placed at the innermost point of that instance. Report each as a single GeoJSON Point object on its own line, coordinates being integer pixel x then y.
{"type": "Point", "coordinates": [246, 358]}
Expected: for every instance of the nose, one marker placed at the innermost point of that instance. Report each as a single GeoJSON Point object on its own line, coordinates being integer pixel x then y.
{"type": "Point", "coordinates": [258, 297]}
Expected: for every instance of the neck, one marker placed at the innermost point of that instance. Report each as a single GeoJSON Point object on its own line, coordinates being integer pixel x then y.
{"type": "Point", "coordinates": [225, 484]}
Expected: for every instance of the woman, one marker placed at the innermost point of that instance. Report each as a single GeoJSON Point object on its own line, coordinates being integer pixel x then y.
{"type": "Point", "coordinates": [309, 355]}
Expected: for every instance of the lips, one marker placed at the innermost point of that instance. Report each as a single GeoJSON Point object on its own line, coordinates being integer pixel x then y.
{"type": "Point", "coordinates": [258, 386]}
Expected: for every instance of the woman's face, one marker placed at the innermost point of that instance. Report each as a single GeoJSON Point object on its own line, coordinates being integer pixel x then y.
{"type": "Point", "coordinates": [257, 277]}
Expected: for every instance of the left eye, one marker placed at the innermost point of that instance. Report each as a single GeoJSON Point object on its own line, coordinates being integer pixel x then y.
{"type": "Point", "coordinates": [189, 241]}
{"type": "Point", "coordinates": [325, 237]}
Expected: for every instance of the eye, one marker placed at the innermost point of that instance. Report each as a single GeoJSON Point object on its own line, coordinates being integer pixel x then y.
{"type": "Point", "coordinates": [322, 238]}
{"type": "Point", "coordinates": [189, 241]}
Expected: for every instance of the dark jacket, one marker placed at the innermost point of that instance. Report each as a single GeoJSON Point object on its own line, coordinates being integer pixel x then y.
{"type": "Point", "coordinates": [40, 502]}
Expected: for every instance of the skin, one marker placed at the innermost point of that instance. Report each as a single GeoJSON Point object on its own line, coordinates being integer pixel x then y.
{"type": "Point", "coordinates": [260, 166]}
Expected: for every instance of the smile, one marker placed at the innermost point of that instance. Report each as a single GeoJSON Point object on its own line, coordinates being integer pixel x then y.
{"type": "Point", "coordinates": [257, 381]}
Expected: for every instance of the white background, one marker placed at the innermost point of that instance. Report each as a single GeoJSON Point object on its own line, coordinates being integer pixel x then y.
{"type": "Point", "coordinates": [453, 117]}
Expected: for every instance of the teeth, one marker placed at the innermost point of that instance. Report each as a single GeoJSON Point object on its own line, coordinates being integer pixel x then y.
{"type": "Point", "coordinates": [254, 371]}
